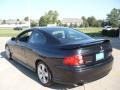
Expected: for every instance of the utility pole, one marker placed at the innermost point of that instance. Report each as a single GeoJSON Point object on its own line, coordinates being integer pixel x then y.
{"type": "Point", "coordinates": [29, 23]}
{"type": "Point", "coordinates": [28, 12]}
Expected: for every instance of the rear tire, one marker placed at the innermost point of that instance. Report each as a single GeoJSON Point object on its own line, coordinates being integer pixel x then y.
{"type": "Point", "coordinates": [44, 74]}
{"type": "Point", "coordinates": [8, 53]}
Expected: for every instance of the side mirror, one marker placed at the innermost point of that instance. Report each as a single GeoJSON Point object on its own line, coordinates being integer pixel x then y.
{"type": "Point", "coordinates": [13, 38]}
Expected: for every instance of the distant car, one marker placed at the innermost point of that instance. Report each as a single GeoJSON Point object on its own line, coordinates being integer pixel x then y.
{"type": "Point", "coordinates": [17, 28]}
{"type": "Point", "coordinates": [107, 28]}
{"type": "Point", "coordinates": [62, 55]}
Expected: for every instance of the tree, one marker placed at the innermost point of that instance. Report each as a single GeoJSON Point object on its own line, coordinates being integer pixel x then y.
{"type": "Point", "coordinates": [114, 17]}
{"type": "Point", "coordinates": [59, 23]}
{"type": "Point", "coordinates": [106, 23]}
{"type": "Point", "coordinates": [26, 18]}
{"type": "Point", "coordinates": [89, 21]}
{"type": "Point", "coordinates": [92, 21]}
{"type": "Point", "coordinates": [4, 22]}
{"type": "Point", "coordinates": [33, 23]}
{"type": "Point", "coordinates": [84, 23]}
{"type": "Point", "coordinates": [18, 20]}
{"type": "Point", "coordinates": [99, 23]}
{"type": "Point", "coordinates": [75, 25]}
{"type": "Point", "coordinates": [49, 18]}
{"type": "Point", "coordinates": [52, 17]}
{"type": "Point", "coordinates": [43, 21]}
{"type": "Point", "coordinates": [81, 25]}
{"type": "Point", "coordinates": [71, 25]}
{"type": "Point", "coordinates": [65, 25]}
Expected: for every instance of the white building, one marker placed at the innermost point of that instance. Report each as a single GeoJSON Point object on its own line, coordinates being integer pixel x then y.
{"type": "Point", "coordinates": [69, 21]}
{"type": "Point", "coordinates": [11, 23]}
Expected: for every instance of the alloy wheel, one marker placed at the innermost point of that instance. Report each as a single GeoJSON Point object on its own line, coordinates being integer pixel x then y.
{"type": "Point", "coordinates": [43, 73]}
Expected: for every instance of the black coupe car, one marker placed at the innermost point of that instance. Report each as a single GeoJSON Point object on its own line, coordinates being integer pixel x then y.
{"type": "Point", "coordinates": [62, 55]}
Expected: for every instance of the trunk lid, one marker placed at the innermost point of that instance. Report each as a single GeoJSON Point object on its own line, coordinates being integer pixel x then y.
{"type": "Point", "coordinates": [83, 44]}
{"type": "Point", "coordinates": [91, 50]}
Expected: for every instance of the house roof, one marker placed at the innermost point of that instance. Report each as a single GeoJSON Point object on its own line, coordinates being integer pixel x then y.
{"type": "Point", "coordinates": [71, 20]}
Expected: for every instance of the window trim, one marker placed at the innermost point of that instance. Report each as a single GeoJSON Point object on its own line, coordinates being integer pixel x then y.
{"type": "Point", "coordinates": [22, 33]}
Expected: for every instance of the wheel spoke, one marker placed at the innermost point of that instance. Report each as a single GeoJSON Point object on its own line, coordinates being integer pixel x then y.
{"type": "Point", "coordinates": [43, 67]}
{"type": "Point", "coordinates": [46, 74]}
{"type": "Point", "coordinates": [40, 76]}
{"type": "Point", "coordinates": [39, 70]}
{"type": "Point", "coordinates": [44, 79]}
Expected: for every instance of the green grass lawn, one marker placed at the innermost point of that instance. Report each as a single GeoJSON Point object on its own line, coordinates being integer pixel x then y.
{"type": "Point", "coordinates": [92, 31]}
{"type": "Point", "coordinates": [8, 32]}
{"type": "Point", "coordinates": [89, 31]}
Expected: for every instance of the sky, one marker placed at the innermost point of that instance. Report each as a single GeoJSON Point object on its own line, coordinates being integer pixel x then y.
{"type": "Point", "coordinates": [13, 9]}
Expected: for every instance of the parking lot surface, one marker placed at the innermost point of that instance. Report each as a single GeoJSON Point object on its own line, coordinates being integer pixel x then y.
{"type": "Point", "coordinates": [14, 76]}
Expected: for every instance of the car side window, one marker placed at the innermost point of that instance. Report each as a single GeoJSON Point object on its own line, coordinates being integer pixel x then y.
{"type": "Point", "coordinates": [59, 34]}
{"type": "Point", "coordinates": [24, 37]}
{"type": "Point", "coordinates": [37, 38]}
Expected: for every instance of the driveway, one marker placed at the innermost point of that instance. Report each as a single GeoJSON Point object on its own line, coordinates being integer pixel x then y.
{"type": "Point", "coordinates": [15, 76]}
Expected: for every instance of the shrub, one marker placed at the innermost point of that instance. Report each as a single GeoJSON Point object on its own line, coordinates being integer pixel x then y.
{"type": "Point", "coordinates": [111, 33]}
{"type": "Point", "coordinates": [104, 32]}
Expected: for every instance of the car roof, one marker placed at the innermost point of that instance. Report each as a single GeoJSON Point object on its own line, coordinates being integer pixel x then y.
{"type": "Point", "coordinates": [49, 28]}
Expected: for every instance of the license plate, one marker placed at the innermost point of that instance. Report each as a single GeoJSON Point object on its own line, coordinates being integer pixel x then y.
{"type": "Point", "coordinates": [99, 56]}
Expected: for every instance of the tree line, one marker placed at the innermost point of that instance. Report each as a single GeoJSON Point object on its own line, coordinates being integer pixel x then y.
{"type": "Point", "coordinates": [113, 19]}
{"type": "Point", "coordinates": [51, 17]}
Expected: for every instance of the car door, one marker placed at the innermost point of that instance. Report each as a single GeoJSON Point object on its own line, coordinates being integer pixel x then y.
{"type": "Point", "coordinates": [21, 44]}
{"type": "Point", "coordinates": [36, 41]}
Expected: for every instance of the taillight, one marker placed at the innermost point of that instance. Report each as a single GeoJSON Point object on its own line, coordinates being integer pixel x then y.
{"type": "Point", "coordinates": [73, 60]}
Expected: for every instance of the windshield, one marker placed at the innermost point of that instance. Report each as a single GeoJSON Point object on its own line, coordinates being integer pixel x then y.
{"type": "Point", "coordinates": [66, 35]}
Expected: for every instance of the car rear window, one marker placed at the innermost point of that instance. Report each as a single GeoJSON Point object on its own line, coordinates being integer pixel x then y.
{"type": "Point", "coordinates": [66, 35]}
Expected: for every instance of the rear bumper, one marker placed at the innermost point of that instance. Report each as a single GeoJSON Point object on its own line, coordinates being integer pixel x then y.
{"type": "Point", "coordinates": [89, 74]}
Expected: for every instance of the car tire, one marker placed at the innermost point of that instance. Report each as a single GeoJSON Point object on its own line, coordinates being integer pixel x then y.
{"type": "Point", "coordinates": [44, 74]}
{"type": "Point", "coordinates": [8, 53]}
